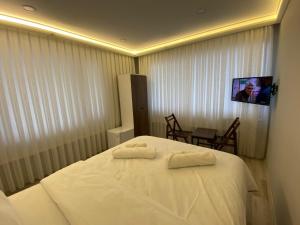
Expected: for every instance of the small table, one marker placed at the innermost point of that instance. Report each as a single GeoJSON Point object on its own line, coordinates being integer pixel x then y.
{"type": "Point", "coordinates": [205, 134]}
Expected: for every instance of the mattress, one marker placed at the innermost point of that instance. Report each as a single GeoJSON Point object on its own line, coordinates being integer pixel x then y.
{"type": "Point", "coordinates": [103, 190]}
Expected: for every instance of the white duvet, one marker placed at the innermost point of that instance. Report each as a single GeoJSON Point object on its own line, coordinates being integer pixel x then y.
{"type": "Point", "coordinates": [107, 191]}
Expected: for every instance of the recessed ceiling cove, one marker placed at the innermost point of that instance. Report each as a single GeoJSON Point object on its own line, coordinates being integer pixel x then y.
{"type": "Point", "coordinates": [137, 27]}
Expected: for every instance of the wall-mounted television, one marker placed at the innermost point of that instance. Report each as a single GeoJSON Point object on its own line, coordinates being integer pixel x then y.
{"type": "Point", "coordinates": [255, 90]}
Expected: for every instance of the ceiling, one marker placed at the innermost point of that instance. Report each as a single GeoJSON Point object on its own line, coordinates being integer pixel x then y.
{"type": "Point", "coordinates": [140, 25]}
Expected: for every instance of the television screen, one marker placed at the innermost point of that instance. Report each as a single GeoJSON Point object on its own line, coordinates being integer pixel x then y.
{"type": "Point", "coordinates": [256, 90]}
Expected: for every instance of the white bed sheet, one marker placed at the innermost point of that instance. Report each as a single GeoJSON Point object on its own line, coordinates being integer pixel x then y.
{"type": "Point", "coordinates": [35, 207]}
{"type": "Point", "coordinates": [103, 190]}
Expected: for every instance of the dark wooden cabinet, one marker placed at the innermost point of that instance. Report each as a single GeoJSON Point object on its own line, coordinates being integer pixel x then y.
{"type": "Point", "coordinates": [140, 105]}
{"type": "Point", "coordinates": [134, 103]}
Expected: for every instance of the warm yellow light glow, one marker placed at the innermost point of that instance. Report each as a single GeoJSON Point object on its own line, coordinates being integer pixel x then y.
{"type": "Point", "coordinates": [227, 28]}
{"type": "Point", "coordinates": [210, 33]}
{"type": "Point", "coordinates": [23, 22]}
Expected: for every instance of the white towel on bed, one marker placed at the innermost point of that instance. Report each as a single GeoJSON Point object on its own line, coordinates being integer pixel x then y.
{"type": "Point", "coordinates": [134, 153]}
{"type": "Point", "coordinates": [136, 144]}
{"type": "Point", "coordinates": [188, 159]}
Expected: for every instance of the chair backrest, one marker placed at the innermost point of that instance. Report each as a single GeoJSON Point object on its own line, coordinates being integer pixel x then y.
{"type": "Point", "coordinates": [172, 124]}
{"type": "Point", "coordinates": [232, 129]}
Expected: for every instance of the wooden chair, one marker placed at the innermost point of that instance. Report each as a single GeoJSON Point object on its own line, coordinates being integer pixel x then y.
{"type": "Point", "coordinates": [229, 138]}
{"type": "Point", "coordinates": [174, 130]}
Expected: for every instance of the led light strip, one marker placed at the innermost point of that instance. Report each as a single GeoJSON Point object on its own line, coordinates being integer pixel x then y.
{"type": "Point", "coordinates": [210, 33]}
{"type": "Point", "coordinates": [270, 19]}
{"type": "Point", "coordinates": [265, 20]}
{"type": "Point", "coordinates": [23, 22]}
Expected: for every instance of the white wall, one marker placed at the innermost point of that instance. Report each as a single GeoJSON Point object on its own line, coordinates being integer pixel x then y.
{"type": "Point", "coordinates": [283, 157]}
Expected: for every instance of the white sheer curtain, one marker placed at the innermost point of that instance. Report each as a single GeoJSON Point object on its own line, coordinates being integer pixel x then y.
{"type": "Point", "coordinates": [57, 99]}
{"type": "Point", "coordinates": [195, 82]}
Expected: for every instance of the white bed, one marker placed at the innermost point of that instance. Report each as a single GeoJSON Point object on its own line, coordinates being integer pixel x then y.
{"type": "Point", "coordinates": [103, 190]}
{"type": "Point", "coordinates": [35, 207]}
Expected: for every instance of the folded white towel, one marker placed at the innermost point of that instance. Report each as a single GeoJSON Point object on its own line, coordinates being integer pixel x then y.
{"type": "Point", "coordinates": [136, 144]}
{"type": "Point", "coordinates": [187, 159]}
{"type": "Point", "coordinates": [134, 153]}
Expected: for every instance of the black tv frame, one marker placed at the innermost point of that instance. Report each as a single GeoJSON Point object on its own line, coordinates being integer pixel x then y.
{"type": "Point", "coordinates": [271, 93]}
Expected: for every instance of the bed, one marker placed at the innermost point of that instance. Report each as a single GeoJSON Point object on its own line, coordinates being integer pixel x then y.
{"type": "Point", "coordinates": [108, 191]}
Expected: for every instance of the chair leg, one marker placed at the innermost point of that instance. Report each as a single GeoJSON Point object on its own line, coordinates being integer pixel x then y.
{"type": "Point", "coordinates": [219, 147]}
{"type": "Point", "coordinates": [235, 147]}
{"type": "Point", "coordinates": [186, 140]}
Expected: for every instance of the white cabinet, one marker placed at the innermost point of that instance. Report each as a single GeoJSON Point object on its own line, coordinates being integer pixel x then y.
{"type": "Point", "coordinates": [119, 135]}
{"type": "Point", "coordinates": [133, 107]}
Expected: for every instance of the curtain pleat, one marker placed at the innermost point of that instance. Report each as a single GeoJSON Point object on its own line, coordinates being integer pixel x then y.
{"type": "Point", "coordinates": [57, 99]}
{"type": "Point", "coordinates": [194, 82]}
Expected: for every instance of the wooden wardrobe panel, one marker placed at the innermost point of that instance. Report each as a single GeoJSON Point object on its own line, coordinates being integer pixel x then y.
{"type": "Point", "coordinates": [140, 105]}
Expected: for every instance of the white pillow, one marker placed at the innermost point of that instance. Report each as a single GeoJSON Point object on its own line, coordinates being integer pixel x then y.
{"type": "Point", "coordinates": [8, 215]}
